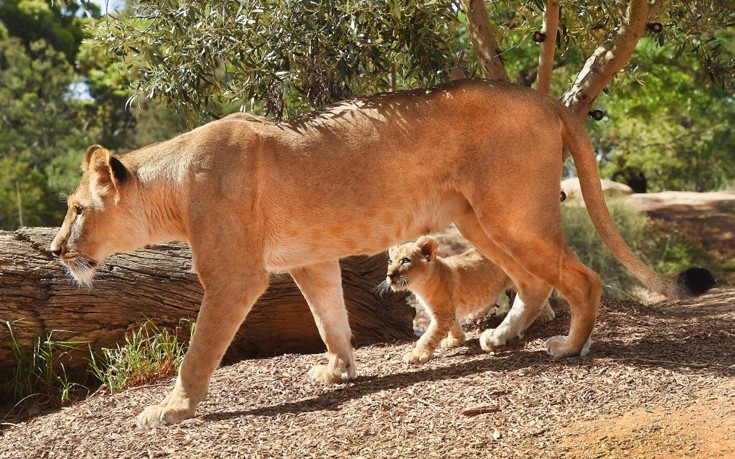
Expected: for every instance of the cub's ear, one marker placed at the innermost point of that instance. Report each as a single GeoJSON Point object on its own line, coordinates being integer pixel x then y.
{"type": "Point", "coordinates": [108, 174]}
{"type": "Point", "coordinates": [428, 246]}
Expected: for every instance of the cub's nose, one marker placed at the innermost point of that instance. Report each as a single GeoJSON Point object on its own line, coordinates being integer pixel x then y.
{"type": "Point", "coordinates": [392, 275]}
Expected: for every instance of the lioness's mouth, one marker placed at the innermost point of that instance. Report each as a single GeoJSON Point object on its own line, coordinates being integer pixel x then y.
{"type": "Point", "coordinates": [80, 262]}
{"type": "Point", "coordinates": [81, 268]}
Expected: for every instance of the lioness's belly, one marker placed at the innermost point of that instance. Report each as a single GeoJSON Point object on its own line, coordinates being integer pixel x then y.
{"type": "Point", "coordinates": [295, 245]}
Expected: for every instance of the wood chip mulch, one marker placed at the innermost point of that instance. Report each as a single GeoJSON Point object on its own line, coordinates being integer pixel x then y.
{"type": "Point", "coordinates": [659, 382]}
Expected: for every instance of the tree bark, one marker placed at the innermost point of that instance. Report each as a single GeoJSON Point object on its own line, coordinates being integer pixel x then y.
{"type": "Point", "coordinates": [37, 298]}
{"type": "Point", "coordinates": [548, 46]}
{"type": "Point", "coordinates": [609, 58]}
{"type": "Point", "coordinates": [484, 40]}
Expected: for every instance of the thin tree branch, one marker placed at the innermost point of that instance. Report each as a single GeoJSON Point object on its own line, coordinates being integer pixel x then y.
{"type": "Point", "coordinates": [548, 46]}
{"type": "Point", "coordinates": [484, 41]}
{"type": "Point", "coordinates": [609, 58]}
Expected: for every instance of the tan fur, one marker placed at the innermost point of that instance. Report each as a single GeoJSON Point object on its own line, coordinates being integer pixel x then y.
{"type": "Point", "coordinates": [452, 289]}
{"type": "Point", "coordinates": [251, 197]}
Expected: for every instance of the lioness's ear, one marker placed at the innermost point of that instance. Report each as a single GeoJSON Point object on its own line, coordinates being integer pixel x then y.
{"type": "Point", "coordinates": [88, 156]}
{"type": "Point", "coordinates": [108, 174]}
{"type": "Point", "coordinates": [428, 246]}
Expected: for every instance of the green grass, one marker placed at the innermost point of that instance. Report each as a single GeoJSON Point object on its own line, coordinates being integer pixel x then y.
{"type": "Point", "coordinates": [39, 378]}
{"type": "Point", "coordinates": [149, 354]}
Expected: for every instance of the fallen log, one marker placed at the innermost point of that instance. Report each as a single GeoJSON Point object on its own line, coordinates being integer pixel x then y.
{"type": "Point", "coordinates": [37, 297]}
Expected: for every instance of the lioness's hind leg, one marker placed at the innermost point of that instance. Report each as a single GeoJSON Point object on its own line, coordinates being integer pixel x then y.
{"type": "Point", "coordinates": [532, 294]}
{"type": "Point", "coordinates": [531, 297]}
{"type": "Point", "coordinates": [582, 287]}
{"type": "Point", "coordinates": [545, 255]}
{"type": "Point", "coordinates": [321, 285]}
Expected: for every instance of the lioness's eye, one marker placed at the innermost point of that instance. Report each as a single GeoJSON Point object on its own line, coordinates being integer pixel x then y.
{"type": "Point", "coordinates": [78, 210]}
{"type": "Point", "coordinates": [405, 261]}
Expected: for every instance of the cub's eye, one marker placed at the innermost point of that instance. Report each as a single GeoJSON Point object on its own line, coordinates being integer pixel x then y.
{"type": "Point", "coordinates": [390, 262]}
{"type": "Point", "coordinates": [405, 261]}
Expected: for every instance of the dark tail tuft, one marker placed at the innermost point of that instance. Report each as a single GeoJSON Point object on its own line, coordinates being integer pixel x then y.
{"type": "Point", "coordinates": [696, 281]}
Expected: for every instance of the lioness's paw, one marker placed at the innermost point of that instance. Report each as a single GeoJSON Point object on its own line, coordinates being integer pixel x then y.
{"type": "Point", "coordinates": [559, 346]}
{"type": "Point", "coordinates": [450, 341]}
{"type": "Point", "coordinates": [492, 340]}
{"type": "Point", "coordinates": [417, 356]}
{"type": "Point", "coordinates": [158, 415]}
{"type": "Point", "coordinates": [323, 374]}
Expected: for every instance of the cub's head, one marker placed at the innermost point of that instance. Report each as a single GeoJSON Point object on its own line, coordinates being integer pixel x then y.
{"type": "Point", "coordinates": [101, 218]}
{"type": "Point", "coordinates": [410, 264]}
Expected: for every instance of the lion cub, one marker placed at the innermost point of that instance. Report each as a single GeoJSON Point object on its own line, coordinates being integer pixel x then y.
{"type": "Point", "coordinates": [452, 289]}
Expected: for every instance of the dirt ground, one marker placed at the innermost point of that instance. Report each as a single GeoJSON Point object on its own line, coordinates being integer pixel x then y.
{"type": "Point", "coordinates": [659, 383]}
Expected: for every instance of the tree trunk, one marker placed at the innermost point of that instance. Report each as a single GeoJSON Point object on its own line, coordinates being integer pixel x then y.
{"type": "Point", "coordinates": [548, 46]}
{"type": "Point", "coordinates": [483, 39]}
{"type": "Point", "coordinates": [37, 298]}
{"type": "Point", "coordinates": [609, 58]}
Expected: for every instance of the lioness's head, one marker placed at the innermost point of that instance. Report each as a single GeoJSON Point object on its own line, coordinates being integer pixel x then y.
{"type": "Point", "coordinates": [410, 263]}
{"type": "Point", "coordinates": [100, 219]}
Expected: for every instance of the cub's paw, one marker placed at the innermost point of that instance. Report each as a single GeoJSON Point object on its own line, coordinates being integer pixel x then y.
{"type": "Point", "coordinates": [324, 374]}
{"type": "Point", "coordinates": [492, 340]}
{"type": "Point", "coordinates": [546, 315]}
{"type": "Point", "coordinates": [450, 342]}
{"type": "Point", "coordinates": [559, 346]}
{"type": "Point", "coordinates": [417, 356]}
{"type": "Point", "coordinates": [158, 415]}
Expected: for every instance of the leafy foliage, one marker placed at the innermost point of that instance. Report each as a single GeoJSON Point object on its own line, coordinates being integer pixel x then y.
{"type": "Point", "coordinates": [40, 123]}
{"type": "Point", "coordinates": [58, 23]}
{"type": "Point", "coordinates": [58, 95]}
{"type": "Point", "coordinates": [283, 57]}
{"type": "Point", "coordinates": [666, 129]}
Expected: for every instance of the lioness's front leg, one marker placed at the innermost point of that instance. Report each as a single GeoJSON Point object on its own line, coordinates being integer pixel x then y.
{"type": "Point", "coordinates": [225, 305]}
{"type": "Point", "coordinates": [321, 285]}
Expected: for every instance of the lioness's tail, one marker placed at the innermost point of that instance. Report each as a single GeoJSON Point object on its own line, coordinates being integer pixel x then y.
{"type": "Point", "coordinates": [692, 281]}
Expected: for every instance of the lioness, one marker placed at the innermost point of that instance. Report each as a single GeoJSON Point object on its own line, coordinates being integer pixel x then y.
{"type": "Point", "coordinates": [251, 196]}
{"type": "Point", "coordinates": [451, 289]}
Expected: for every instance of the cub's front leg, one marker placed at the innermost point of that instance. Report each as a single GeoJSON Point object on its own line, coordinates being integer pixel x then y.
{"type": "Point", "coordinates": [456, 336]}
{"type": "Point", "coordinates": [440, 325]}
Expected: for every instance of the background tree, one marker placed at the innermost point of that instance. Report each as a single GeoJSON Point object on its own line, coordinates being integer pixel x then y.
{"type": "Point", "coordinates": [58, 95]}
